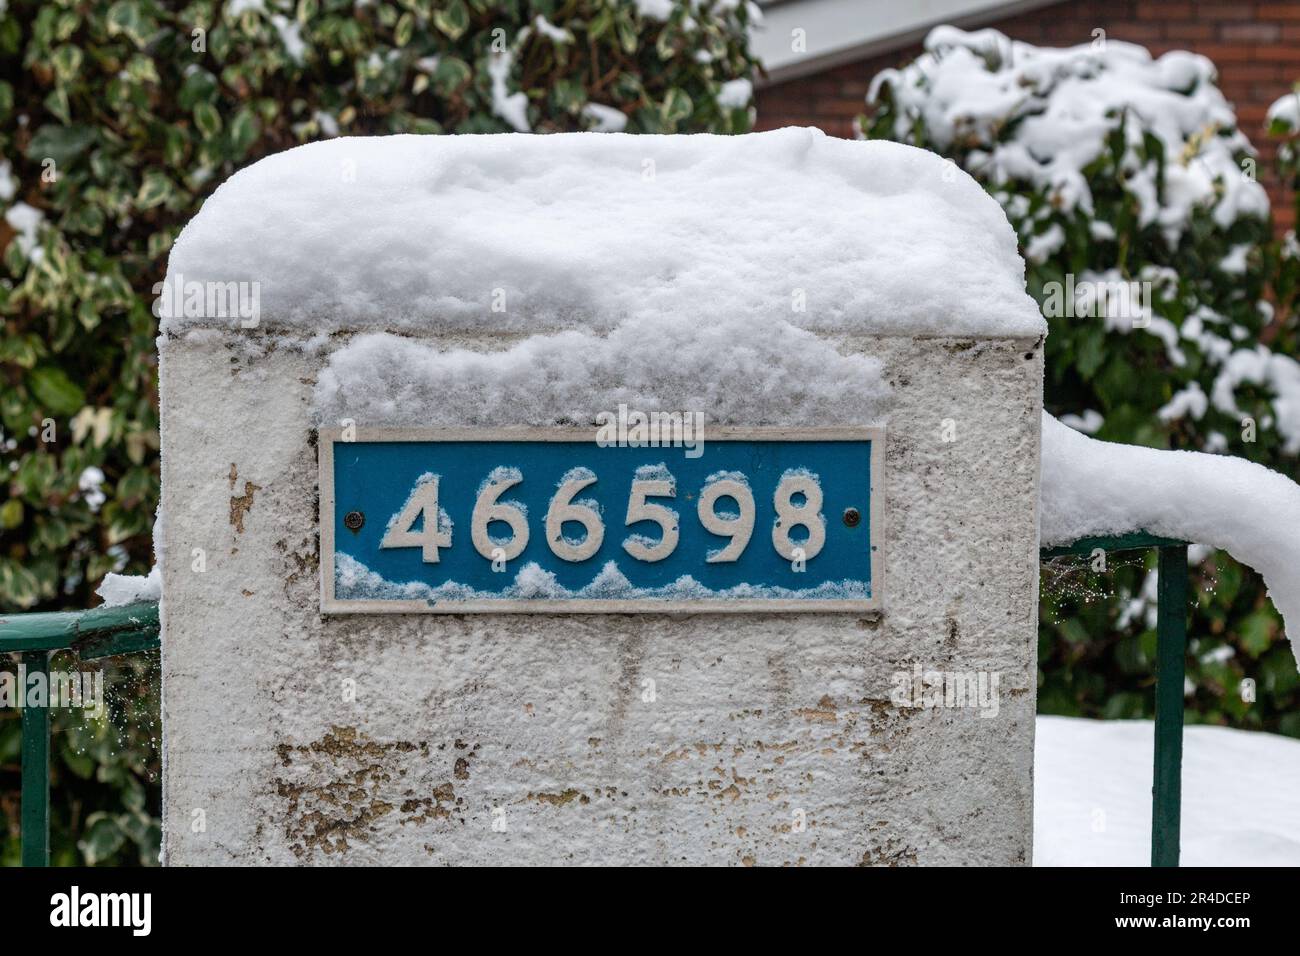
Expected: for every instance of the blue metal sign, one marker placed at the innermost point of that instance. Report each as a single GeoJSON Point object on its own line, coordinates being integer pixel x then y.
{"type": "Point", "coordinates": [549, 520]}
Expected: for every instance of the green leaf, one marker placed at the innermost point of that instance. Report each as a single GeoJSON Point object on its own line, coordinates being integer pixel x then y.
{"type": "Point", "coordinates": [78, 763]}
{"type": "Point", "coordinates": [22, 351]}
{"type": "Point", "coordinates": [1073, 631]}
{"type": "Point", "coordinates": [600, 24]}
{"type": "Point", "coordinates": [60, 143]}
{"type": "Point", "coordinates": [568, 95]}
{"type": "Point", "coordinates": [404, 30]}
{"type": "Point", "coordinates": [159, 243]}
{"type": "Point", "coordinates": [127, 18]}
{"type": "Point", "coordinates": [68, 23]}
{"type": "Point", "coordinates": [244, 130]}
{"type": "Point", "coordinates": [66, 62]}
{"type": "Point", "coordinates": [627, 35]}
{"type": "Point", "coordinates": [1091, 350]}
{"type": "Point", "coordinates": [199, 86]}
{"type": "Point", "coordinates": [87, 315]}
{"type": "Point", "coordinates": [103, 838]}
{"type": "Point", "coordinates": [452, 19]}
{"type": "Point", "coordinates": [153, 191]}
{"type": "Point", "coordinates": [451, 74]}
{"type": "Point", "coordinates": [676, 107]}
{"type": "Point", "coordinates": [19, 587]}
{"type": "Point", "coordinates": [56, 392]}
{"type": "Point", "coordinates": [11, 514]}
{"type": "Point", "coordinates": [1256, 631]}
{"type": "Point", "coordinates": [137, 485]}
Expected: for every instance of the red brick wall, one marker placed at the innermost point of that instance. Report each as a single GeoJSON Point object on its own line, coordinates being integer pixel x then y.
{"type": "Point", "coordinates": [1255, 45]}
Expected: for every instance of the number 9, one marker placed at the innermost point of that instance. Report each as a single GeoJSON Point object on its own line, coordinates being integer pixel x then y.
{"type": "Point", "coordinates": [739, 528]}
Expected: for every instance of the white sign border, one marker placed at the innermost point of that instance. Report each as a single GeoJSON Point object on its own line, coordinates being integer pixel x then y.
{"type": "Point", "coordinates": [329, 604]}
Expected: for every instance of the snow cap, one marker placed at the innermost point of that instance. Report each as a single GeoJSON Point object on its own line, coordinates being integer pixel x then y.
{"type": "Point", "coordinates": [583, 230]}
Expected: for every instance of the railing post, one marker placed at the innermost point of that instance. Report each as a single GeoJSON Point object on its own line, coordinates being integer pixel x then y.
{"type": "Point", "coordinates": [1171, 652]}
{"type": "Point", "coordinates": [36, 766]}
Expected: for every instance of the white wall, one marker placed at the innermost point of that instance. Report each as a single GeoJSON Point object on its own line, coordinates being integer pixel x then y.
{"type": "Point", "coordinates": [756, 717]}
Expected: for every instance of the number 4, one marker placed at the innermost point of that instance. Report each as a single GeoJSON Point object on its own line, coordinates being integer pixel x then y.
{"type": "Point", "coordinates": [436, 530]}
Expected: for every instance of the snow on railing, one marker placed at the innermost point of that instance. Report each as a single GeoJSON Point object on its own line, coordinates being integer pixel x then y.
{"type": "Point", "coordinates": [1091, 488]}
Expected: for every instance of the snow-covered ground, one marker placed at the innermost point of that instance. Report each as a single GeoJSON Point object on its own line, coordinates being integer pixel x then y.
{"type": "Point", "coordinates": [1092, 795]}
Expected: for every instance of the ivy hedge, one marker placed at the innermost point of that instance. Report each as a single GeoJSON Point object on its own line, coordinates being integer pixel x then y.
{"type": "Point", "coordinates": [117, 119]}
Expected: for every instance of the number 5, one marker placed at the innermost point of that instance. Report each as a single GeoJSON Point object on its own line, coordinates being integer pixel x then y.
{"type": "Point", "coordinates": [638, 509]}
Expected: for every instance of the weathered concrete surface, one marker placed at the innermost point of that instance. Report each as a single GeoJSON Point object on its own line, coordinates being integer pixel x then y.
{"type": "Point", "coordinates": [757, 722]}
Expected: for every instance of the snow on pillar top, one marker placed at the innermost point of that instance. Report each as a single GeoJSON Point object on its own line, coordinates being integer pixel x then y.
{"type": "Point", "coordinates": [525, 233]}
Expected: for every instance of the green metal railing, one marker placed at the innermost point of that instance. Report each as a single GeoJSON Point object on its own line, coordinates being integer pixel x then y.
{"type": "Point", "coordinates": [105, 632]}
{"type": "Point", "coordinates": [101, 632]}
{"type": "Point", "coordinates": [1171, 673]}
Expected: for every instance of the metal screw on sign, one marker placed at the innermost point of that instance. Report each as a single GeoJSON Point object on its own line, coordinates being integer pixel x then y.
{"type": "Point", "coordinates": [353, 520]}
{"type": "Point", "coordinates": [852, 516]}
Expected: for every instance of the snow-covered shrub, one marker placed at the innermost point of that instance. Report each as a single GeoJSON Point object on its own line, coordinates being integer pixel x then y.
{"type": "Point", "coordinates": [1284, 124]}
{"type": "Point", "coordinates": [1148, 244]}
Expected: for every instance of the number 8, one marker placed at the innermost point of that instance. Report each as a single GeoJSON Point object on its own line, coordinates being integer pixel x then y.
{"type": "Point", "coordinates": [789, 515]}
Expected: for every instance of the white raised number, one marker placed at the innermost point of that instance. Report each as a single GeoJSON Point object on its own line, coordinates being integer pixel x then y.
{"type": "Point", "coordinates": [789, 515]}
{"type": "Point", "coordinates": [638, 509]}
{"type": "Point", "coordinates": [738, 527]}
{"type": "Point", "coordinates": [563, 508]}
{"type": "Point", "coordinates": [488, 509]}
{"type": "Point", "coordinates": [435, 533]}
